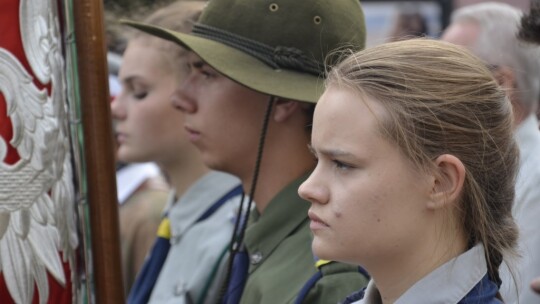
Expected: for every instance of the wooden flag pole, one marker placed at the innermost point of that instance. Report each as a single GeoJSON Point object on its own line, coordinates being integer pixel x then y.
{"type": "Point", "coordinates": [99, 158]}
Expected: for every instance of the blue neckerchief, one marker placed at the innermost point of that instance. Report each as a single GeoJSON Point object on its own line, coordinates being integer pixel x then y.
{"type": "Point", "coordinates": [147, 277]}
{"type": "Point", "coordinates": [356, 296]}
{"type": "Point", "coordinates": [485, 292]}
{"type": "Point", "coordinates": [317, 276]}
{"type": "Point", "coordinates": [238, 278]}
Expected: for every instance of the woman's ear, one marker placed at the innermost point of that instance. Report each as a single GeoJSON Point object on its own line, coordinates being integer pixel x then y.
{"type": "Point", "coordinates": [283, 109]}
{"type": "Point", "coordinates": [447, 182]}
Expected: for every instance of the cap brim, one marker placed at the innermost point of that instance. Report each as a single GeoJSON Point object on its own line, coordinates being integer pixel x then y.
{"type": "Point", "coordinates": [243, 68]}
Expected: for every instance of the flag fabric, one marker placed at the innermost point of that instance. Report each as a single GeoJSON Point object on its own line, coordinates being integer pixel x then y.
{"type": "Point", "coordinates": [38, 235]}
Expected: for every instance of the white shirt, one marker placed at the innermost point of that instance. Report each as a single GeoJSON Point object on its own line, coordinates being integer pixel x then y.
{"type": "Point", "coordinates": [447, 284]}
{"type": "Point", "coordinates": [132, 176]}
{"type": "Point", "coordinates": [526, 211]}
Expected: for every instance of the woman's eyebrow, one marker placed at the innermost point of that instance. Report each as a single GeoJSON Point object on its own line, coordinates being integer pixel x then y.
{"type": "Point", "coordinates": [130, 79]}
{"type": "Point", "coordinates": [331, 152]}
{"type": "Point", "coordinates": [336, 152]}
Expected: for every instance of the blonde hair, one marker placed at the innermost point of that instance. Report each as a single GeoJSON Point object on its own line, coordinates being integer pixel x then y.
{"type": "Point", "coordinates": [440, 99]}
{"type": "Point", "coordinates": [180, 16]}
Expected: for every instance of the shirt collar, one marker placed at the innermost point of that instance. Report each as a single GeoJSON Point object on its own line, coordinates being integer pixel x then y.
{"type": "Point", "coordinates": [458, 277]}
{"type": "Point", "coordinates": [197, 199]}
{"type": "Point", "coordinates": [283, 215]}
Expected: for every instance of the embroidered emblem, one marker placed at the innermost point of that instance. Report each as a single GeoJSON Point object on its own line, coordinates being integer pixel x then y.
{"type": "Point", "coordinates": [36, 193]}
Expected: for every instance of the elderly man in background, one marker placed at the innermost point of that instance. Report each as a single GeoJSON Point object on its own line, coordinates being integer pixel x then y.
{"type": "Point", "coordinates": [490, 31]}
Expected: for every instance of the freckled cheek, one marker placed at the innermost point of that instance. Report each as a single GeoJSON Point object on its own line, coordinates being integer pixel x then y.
{"type": "Point", "coordinates": [368, 212]}
{"type": "Point", "coordinates": [340, 209]}
{"type": "Point", "coordinates": [342, 206]}
{"type": "Point", "coordinates": [375, 207]}
{"type": "Point", "coordinates": [343, 213]}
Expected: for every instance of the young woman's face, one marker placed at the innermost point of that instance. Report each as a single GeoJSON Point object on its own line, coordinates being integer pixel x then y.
{"type": "Point", "coordinates": [147, 126]}
{"type": "Point", "coordinates": [368, 203]}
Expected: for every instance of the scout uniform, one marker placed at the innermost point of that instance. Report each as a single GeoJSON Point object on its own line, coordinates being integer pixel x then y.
{"type": "Point", "coordinates": [278, 48]}
{"type": "Point", "coordinates": [191, 242]}
{"type": "Point", "coordinates": [462, 280]}
{"type": "Point", "coordinates": [278, 243]}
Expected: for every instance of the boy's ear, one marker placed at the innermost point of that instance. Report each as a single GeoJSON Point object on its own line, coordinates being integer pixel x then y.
{"type": "Point", "coordinates": [447, 182]}
{"type": "Point", "coordinates": [283, 109]}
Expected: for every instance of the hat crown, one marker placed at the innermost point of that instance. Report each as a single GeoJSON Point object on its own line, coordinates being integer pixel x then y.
{"type": "Point", "coordinates": [300, 28]}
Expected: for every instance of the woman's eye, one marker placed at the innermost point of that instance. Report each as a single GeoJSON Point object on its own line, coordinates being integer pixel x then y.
{"type": "Point", "coordinates": [141, 95]}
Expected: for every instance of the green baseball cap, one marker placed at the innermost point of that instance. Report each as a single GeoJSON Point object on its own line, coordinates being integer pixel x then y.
{"type": "Point", "coordinates": [276, 47]}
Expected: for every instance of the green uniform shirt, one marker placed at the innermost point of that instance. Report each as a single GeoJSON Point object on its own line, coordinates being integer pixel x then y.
{"type": "Point", "coordinates": [281, 261]}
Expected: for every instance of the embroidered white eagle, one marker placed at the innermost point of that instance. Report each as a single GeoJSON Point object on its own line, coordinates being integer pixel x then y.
{"type": "Point", "coordinates": [36, 193]}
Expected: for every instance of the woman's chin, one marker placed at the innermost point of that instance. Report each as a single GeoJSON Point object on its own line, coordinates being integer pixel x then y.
{"type": "Point", "coordinates": [128, 157]}
{"type": "Point", "coordinates": [322, 249]}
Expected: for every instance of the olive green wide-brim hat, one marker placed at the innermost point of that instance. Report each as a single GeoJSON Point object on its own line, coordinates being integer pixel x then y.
{"type": "Point", "coordinates": [276, 47]}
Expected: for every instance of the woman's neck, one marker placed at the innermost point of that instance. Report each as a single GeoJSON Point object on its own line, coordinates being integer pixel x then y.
{"type": "Point", "coordinates": [395, 275]}
{"type": "Point", "coordinates": [181, 174]}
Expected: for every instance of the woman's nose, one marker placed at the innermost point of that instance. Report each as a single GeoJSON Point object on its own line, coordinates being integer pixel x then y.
{"type": "Point", "coordinates": [118, 110]}
{"type": "Point", "coordinates": [314, 191]}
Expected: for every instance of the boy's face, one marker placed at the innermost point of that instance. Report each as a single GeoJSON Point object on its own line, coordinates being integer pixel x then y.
{"type": "Point", "coordinates": [223, 118]}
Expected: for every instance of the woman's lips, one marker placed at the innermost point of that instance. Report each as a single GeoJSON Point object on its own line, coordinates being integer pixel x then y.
{"type": "Point", "coordinates": [120, 138]}
{"type": "Point", "coordinates": [316, 222]}
{"type": "Point", "coordinates": [193, 134]}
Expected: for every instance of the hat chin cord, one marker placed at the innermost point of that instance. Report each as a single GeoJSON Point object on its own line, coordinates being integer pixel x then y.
{"type": "Point", "coordinates": [242, 215]}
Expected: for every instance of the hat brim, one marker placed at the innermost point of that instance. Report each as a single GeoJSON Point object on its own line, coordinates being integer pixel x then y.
{"type": "Point", "coordinates": [242, 67]}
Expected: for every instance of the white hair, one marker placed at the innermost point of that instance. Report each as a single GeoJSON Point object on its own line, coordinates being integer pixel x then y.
{"type": "Point", "coordinates": [498, 45]}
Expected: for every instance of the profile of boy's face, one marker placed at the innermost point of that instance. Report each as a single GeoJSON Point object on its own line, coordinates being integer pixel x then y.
{"type": "Point", "coordinates": [222, 118]}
